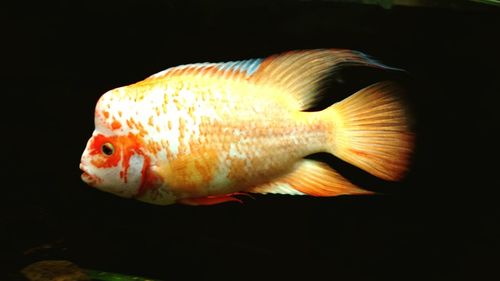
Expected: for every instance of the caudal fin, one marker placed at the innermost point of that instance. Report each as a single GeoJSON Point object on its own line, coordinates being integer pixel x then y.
{"type": "Point", "coordinates": [371, 131]}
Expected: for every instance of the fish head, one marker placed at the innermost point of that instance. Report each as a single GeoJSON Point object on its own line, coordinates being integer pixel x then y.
{"type": "Point", "coordinates": [114, 159]}
{"type": "Point", "coordinates": [113, 164]}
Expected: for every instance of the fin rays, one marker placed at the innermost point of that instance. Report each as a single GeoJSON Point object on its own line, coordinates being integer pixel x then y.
{"type": "Point", "coordinates": [310, 178]}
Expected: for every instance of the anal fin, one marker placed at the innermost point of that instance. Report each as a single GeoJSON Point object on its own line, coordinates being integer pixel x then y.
{"type": "Point", "coordinates": [310, 178]}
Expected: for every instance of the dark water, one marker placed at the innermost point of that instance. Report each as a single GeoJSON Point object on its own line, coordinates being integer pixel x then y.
{"type": "Point", "coordinates": [442, 223]}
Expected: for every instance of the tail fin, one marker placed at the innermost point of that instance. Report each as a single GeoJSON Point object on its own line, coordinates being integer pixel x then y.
{"type": "Point", "coordinates": [371, 131]}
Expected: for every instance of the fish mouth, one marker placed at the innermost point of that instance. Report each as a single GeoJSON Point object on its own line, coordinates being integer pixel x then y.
{"type": "Point", "coordinates": [87, 178]}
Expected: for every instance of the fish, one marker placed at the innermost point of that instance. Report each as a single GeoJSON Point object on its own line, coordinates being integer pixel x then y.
{"type": "Point", "coordinates": [204, 133]}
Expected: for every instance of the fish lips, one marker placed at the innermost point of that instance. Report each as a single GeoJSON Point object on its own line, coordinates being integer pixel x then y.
{"type": "Point", "coordinates": [87, 177]}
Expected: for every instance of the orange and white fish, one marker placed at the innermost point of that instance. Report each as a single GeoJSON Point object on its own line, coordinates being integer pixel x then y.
{"type": "Point", "coordinates": [199, 134]}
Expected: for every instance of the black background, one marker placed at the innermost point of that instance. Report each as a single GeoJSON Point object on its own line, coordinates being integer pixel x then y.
{"type": "Point", "coordinates": [442, 223]}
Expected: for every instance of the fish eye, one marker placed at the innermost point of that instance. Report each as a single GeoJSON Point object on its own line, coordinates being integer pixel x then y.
{"type": "Point", "coordinates": [108, 149]}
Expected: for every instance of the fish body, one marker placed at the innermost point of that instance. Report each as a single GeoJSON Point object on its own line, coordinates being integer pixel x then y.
{"type": "Point", "coordinates": [198, 134]}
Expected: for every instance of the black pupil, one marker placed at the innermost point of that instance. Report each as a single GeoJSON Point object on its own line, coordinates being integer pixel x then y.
{"type": "Point", "coordinates": [107, 149]}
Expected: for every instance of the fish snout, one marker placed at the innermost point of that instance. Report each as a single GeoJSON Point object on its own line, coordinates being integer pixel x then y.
{"type": "Point", "coordinates": [87, 177]}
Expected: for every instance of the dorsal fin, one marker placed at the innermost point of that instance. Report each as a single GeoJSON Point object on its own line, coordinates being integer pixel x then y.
{"type": "Point", "coordinates": [302, 73]}
{"type": "Point", "coordinates": [298, 73]}
{"type": "Point", "coordinates": [230, 70]}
